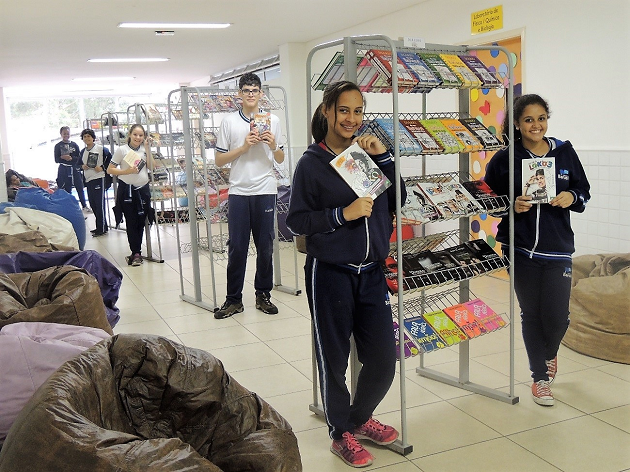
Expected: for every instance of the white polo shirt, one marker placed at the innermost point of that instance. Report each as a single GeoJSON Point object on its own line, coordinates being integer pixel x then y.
{"type": "Point", "coordinates": [135, 180]}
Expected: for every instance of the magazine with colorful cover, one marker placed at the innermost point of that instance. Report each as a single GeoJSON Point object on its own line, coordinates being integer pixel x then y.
{"type": "Point", "coordinates": [359, 171]}
{"type": "Point", "coordinates": [390, 269]}
{"type": "Point", "coordinates": [383, 128]}
{"type": "Point", "coordinates": [442, 199]}
{"type": "Point", "coordinates": [490, 319]}
{"type": "Point", "coordinates": [461, 70]}
{"type": "Point", "coordinates": [382, 59]}
{"type": "Point", "coordinates": [488, 79]}
{"type": "Point", "coordinates": [445, 327]}
{"type": "Point", "coordinates": [260, 122]}
{"type": "Point", "coordinates": [484, 195]}
{"type": "Point", "coordinates": [466, 320]}
{"type": "Point", "coordinates": [440, 69]}
{"type": "Point", "coordinates": [463, 198]}
{"type": "Point", "coordinates": [442, 135]}
{"type": "Point", "coordinates": [426, 79]}
{"type": "Point", "coordinates": [423, 334]}
{"type": "Point", "coordinates": [489, 140]}
{"type": "Point", "coordinates": [417, 210]}
{"type": "Point", "coordinates": [468, 140]}
{"type": "Point", "coordinates": [539, 179]}
{"type": "Point", "coordinates": [133, 159]}
{"type": "Point", "coordinates": [422, 136]}
{"type": "Point", "coordinates": [410, 348]}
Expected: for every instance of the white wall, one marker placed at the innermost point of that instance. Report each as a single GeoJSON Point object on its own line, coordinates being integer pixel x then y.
{"type": "Point", "coordinates": [573, 56]}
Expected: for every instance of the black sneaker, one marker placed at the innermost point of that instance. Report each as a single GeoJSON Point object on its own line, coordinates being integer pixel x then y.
{"type": "Point", "coordinates": [263, 303]}
{"type": "Point", "coordinates": [228, 309]}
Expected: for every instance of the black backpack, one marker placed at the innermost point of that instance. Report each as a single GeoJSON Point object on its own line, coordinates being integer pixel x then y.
{"type": "Point", "coordinates": [107, 157]}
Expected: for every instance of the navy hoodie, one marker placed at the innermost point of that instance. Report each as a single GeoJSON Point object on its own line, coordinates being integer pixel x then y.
{"type": "Point", "coordinates": [544, 231]}
{"type": "Point", "coordinates": [318, 197]}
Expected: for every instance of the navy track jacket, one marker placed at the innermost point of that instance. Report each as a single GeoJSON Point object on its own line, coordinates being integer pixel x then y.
{"type": "Point", "coordinates": [544, 231]}
{"type": "Point", "coordinates": [318, 196]}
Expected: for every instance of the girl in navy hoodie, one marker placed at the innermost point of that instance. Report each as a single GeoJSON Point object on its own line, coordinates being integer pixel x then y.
{"type": "Point", "coordinates": [543, 239]}
{"type": "Point", "coordinates": [347, 239]}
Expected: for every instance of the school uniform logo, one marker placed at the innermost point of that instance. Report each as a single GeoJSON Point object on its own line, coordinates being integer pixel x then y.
{"type": "Point", "coordinates": [563, 174]}
{"type": "Point", "coordinates": [567, 272]}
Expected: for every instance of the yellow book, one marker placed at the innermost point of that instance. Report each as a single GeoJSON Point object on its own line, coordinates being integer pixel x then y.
{"type": "Point", "coordinates": [461, 70]}
{"type": "Point", "coordinates": [445, 327]}
{"type": "Point", "coordinates": [463, 135]}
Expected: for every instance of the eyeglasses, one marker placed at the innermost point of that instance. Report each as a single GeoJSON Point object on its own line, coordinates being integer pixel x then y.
{"type": "Point", "coordinates": [250, 91]}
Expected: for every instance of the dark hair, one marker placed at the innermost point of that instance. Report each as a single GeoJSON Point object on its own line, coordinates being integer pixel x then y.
{"type": "Point", "coordinates": [540, 172]}
{"type": "Point", "coordinates": [520, 103]}
{"type": "Point", "coordinates": [62, 128]}
{"type": "Point", "coordinates": [88, 131]}
{"type": "Point", "coordinates": [137, 125]}
{"type": "Point", "coordinates": [249, 78]}
{"type": "Point", "coordinates": [332, 92]}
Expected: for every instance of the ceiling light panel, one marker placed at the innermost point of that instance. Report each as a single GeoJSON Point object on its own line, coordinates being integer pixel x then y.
{"type": "Point", "coordinates": [174, 26]}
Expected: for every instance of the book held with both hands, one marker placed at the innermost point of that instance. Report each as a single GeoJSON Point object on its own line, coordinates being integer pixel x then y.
{"type": "Point", "coordinates": [133, 159]}
{"type": "Point", "coordinates": [260, 122]}
{"type": "Point", "coordinates": [539, 180]}
{"type": "Point", "coordinates": [92, 159]}
{"type": "Point", "coordinates": [360, 172]}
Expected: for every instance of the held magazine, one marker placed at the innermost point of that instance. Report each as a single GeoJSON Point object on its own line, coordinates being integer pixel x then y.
{"type": "Point", "coordinates": [539, 180]}
{"type": "Point", "coordinates": [133, 159]}
{"type": "Point", "coordinates": [360, 172]}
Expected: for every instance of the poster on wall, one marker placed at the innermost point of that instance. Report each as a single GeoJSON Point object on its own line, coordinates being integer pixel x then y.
{"type": "Point", "coordinates": [488, 106]}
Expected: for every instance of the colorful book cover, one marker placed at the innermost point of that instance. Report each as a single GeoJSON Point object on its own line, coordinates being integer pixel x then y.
{"type": "Point", "coordinates": [260, 122]}
{"type": "Point", "coordinates": [366, 75]}
{"type": "Point", "coordinates": [539, 179]}
{"type": "Point", "coordinates": [461, 70]}
{"type": "Point", "coordinates": [490, 319]}
{"type": "Point", "coordinates": [488, 139]}
{"type": "Point", "coordinates": [423, 334]}
{"type": "Point", "coordinates": [359, 171]}
{"type": "Point", "coordinates": [426, 79]}
{"type": "Point", "coordinates": [468, 140]}
{"type": "Point", "coordinates": [439, 67]}
{"type": "Point", "coordinates": [390, 269]}
{"type": "Point", "coordinates": [383, 128]}
{"type": "Point", "coordinates": [445, 327]}
{"type": "Point", "coordinates": [466, 320]}
{"type": "Point", "coordinates": [133, 159]}
{"type": "Point", "coordinates": [417, 210]}
{"type": "Point", "coordinates": [484, 195]}
{"type": "Point", "coordinates": [410, 348]}
{"type": "Point", "coordinates": [442, 135]}
{"type": "Point", "coordinates": [422, 136]}
{"type": "Point", "coordinates": [463, 198]}
{"type": "Point", "coordinates": [442, 199]}
{"type": "Point", "coordinates": [209, 104]}
{"type": "Point", "coordinates": [225, 103]}
{"type": "Point", "coordinates": [480, 70]}
{"type": "Point", "coordinates": [383, 61]}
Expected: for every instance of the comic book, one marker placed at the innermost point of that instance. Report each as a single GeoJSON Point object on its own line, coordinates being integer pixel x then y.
{"type": "Point", "coordinates": [461, 70]}
{"type": "Point", "coordinates": [470, 264]}
{"type": "Point", "coordinates": [482, 251]}
{"type": "Point", "coordinates": [488, 79]}
{"type": "Point", "coordinates": [92, 159]}
{"type": "Point", "coordinates": [539, 179]}
{"type": "Point", "coordinates": [417, 210]}
{"type": "Point", "coordinates": [382, 59]}
{"type": "Point", "coordinates": [260, 122]}
{"type": "Point", "coordinates": [360, 172]}
{"type": "Point", "coordinates": [468, 140]}
{"type": "Point", "coordinates": [489, 140]}
{"type": "Point", "coordinates": [424, 268]}
{"type": "Point", "coordinates": [383, 129]}
{"type": "Point", "coordinates": [422, 136]}
{"type": "Point", "coordinates": [390, 269]}
{"type": "Point", "coordinates": [440, 69]}
{"type": "Point", "coordinates": [426, 79]}
{"type": "Point", "coordinates": [443, 199]}
{"type": "Point", "coordinates": [490, 319]}
{"type": "Point", "coordinates": [466, 320]}
{"type": "Point", "coordinates": [442, 135]}
{"type": "Point", "coordinates": [445, 327]}
{"type": "Point", "coordinates": [464, 198]}
{"type": "Point", "coordinates": [410, 348]}
{"type": "Point", "coordinates": [423, 334]}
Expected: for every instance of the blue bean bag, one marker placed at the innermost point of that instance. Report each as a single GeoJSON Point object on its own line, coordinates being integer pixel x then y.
{"type": "Point", "coordinates": [60, 203]}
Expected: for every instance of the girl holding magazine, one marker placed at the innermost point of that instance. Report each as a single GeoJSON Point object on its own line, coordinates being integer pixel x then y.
{"type": "Point", "coordinates": [543, 239]}
{"type": "Point", "coordinates": [347, 240]}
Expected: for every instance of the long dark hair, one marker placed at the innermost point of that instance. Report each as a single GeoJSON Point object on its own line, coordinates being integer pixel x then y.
{"type": "Point", "coordinates": [131, 130]}
{"type": "Point", "coordinates": [332, 92]}
{"type": "Point", "coordinates": [520, 103]}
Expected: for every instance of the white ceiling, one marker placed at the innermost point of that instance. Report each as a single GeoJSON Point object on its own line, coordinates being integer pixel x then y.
{"type": "Point", "coordinates": [44, 44]}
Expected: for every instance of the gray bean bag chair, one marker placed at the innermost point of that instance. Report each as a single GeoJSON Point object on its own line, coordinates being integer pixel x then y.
{"type": "Point", "coordinates": [600, 307]}
{"type": "Point", "coordinates": [144, 403]}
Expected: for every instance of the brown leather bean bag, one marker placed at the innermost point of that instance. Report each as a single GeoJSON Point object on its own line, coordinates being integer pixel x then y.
{"type": "Point", "coordinates": [600, 307]}
{"type": "Point", "coordinates": [144, 403]}
{"type": "Point", "coordinates": [60, 294]}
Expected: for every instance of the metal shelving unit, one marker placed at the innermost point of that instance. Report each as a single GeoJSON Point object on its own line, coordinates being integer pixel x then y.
{"type": "Point", "coordinates": [353, 47]}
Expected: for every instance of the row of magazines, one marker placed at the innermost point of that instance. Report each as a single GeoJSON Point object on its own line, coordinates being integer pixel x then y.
{"type": "Point", "coordinates": [447, 327]}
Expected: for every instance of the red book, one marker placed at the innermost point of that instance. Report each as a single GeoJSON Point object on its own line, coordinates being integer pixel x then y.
{"type": "Point", "coordinates": [466, 320]}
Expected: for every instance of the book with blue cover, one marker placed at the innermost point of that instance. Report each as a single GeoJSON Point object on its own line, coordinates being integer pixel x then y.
{"type": "Point", "coordinates": [423, 334]}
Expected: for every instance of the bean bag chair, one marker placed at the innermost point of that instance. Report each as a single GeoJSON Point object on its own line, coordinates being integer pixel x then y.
{"type": "Point", "coordinates": [145, 403]}
{"type": "Point", "coordinates": [57, 229]}
{"type": "Point", "coordinates": [60, 203]}
{"type": "Point", "coordinates": [600, 307]}
{"type": "Point", "coordinates": [29, 354]}
{"type": "Point", "coordinates": [107, 275]}
{"type": "Point", "coordinates": [61, 294]}
{"type": "Point", "coordinates": [30, 241]}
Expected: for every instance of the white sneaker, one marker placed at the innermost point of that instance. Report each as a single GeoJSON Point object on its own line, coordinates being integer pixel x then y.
{"type": "Point", "coordinates": [542, 393]}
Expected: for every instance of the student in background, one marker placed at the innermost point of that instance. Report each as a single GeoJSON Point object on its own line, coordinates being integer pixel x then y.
{"type": "Point", "coordinates": [543, 239]}
{"type": "Point", "coordinates": [347, 240]}
{"type": "Point", "coordinates": [252, 198]}
{"type": "Point", "coordinates": [69, 173]}
{"type": "Point", "coordinates": [94, 160]}
{"type": "Point", "coordinates": [133, 195]}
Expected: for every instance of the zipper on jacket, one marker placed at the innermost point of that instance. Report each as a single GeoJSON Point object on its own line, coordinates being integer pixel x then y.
{"type": "Point", "coordinates": [531, 253]}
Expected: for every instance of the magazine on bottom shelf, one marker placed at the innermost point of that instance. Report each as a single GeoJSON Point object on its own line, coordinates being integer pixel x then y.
{"type": "Point", "coordinates": [423, 334]}
{"type": "Point", "coordinates": [466, 320]}
{"type": "Point", "coordinates": [360, 172]}
{"type": "Point", "coordinates": [490, 319]}
{"type": "Point", "coordinates": [445, 327]}
{"type": "Point", "coordinates": [484, 195]}
{"type": "Point", "coordinates": [539, 180]}
{"type": "Point", "coordinates": [409, 348]}
{"type": "Point", "coordinates": [133, 159]}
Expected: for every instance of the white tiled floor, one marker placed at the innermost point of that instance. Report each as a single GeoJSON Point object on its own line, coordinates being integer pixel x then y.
{"type": "Point", "coordinates": [449, 428]}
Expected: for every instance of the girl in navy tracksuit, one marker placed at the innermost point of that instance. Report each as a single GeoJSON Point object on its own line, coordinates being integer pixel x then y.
{"type": "Point", "coordinates": [347, 238]}
{"type": "Point", "coordinates": [543, 238]}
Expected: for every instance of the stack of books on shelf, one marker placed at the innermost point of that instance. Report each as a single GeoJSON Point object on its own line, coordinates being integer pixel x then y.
{"type": "Point", "coordinates": [452, 325]}
{"type": "Point", "coordinates": [416, 72]}
{"type": "Point", "coordinates": [432, 136]}
{"type": "Point", "coordinates": [435, 267]}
